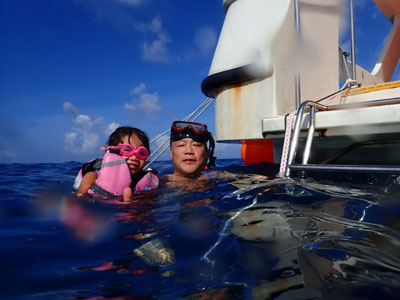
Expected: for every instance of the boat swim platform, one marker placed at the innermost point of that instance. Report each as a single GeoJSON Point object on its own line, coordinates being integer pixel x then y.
{"type": "Point", "coordinates": [388, 146]}
{"type": "Point", "coordinates": [366, 112]}
{"type": "Point", "coordinates": [359, 121]}
{"type": "Point", "coordinates": [362, 120]}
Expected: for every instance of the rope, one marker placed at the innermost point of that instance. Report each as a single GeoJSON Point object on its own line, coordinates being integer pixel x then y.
{"type": "Point", "coordinates": [160, 152]}
{"type": "Point", "coordinates": [205, 103]}
{"type": "Point", "coordinates": [286, 144]}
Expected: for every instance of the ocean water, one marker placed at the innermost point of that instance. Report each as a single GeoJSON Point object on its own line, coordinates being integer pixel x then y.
{"type": "Point", "coordinates": [243, 234]}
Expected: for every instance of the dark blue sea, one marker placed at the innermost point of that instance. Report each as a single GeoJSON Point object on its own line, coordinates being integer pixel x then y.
{"type": "Point", "coordinates": [243, 234]}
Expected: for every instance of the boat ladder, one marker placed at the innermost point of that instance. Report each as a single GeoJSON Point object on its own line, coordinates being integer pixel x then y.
{"type": "Point", "coordinates": [289, 159]}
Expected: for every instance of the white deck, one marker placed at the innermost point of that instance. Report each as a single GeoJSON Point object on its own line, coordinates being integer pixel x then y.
{"type": "Point", "coordinates": [366, 120]}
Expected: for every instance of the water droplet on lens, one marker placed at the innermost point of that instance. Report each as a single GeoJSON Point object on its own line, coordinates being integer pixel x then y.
{"type": "Point", "coordinates": [288, 273]}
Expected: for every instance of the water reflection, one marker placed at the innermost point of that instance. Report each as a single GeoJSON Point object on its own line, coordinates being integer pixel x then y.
{"type": "Point", "coordinates": [313, 245]}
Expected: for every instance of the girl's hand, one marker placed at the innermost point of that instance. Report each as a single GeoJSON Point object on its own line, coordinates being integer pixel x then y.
{"type": "Point", "coordinates": [127, 194]}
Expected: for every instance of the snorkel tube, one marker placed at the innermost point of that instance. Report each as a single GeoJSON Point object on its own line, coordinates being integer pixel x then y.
{"type": "Point", "coordinates": [210, 158]}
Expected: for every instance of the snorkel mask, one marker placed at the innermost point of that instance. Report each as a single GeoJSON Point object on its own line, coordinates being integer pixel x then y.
{"type": "Point", "coordinates": [197, 132]}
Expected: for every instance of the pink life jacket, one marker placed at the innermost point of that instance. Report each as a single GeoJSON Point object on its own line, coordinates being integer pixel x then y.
{"type": "Point", "coordinates": [114, 177]}
{"type": "Point", "coordinates": [148, 182]}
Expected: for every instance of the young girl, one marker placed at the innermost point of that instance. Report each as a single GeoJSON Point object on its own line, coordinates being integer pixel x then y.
{"type": "Point", "coordinates": [121, 166]}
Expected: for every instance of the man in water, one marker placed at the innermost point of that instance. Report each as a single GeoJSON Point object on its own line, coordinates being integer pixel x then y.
{"type": "Point", "coordinates": [189, 151]}
{"type": "Point", "coordinates": [192, 149]}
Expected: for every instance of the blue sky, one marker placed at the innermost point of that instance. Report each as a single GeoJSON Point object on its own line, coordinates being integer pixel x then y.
{"type": "Point", "coordinates": [72, 70]}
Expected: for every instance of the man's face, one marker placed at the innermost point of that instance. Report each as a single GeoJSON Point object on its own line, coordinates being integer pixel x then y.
{"type": "Point", "coordinates": [188, 157]}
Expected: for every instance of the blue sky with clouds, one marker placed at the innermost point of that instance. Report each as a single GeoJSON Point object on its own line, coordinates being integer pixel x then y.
{"type": "Point", "coordinates": [73, 70]}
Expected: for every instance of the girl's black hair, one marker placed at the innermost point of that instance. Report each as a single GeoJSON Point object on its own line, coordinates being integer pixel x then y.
{"type": "Point", "coordinates": [116, 137]}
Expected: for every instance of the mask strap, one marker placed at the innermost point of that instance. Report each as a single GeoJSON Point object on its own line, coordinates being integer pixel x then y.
{"type": "Point", "coordinates": [210, 159]}
{"type": "Point", "coordinates": [114, 150]}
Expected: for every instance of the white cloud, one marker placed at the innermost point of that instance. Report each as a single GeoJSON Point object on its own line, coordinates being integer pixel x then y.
{"type": "Point", "coordinates": [154, 26]}
{"type": "Point", "coordinates": [90, 142]}
{"type": "Point", "coordinates": [110, 128]}
{"type": "Point", "coordinates": [86, 143]}
{"type": "Point", "coordinates": [205, 39]}
{"type": "Point", "coordinates": [156, 50]}
{"type": "Point", "coordinates": [130, 108]}
{"type": "Point", "coordinates": [149, 104]}
{"type": "Point", "coordinates": [138, 90]}
{"type": "Point", "coordinates": [69, 108]}
{"type": "Point", "coordinates": [85, 121]}
{"type": "Point", "coordinates": [70, 141]}
{"type": "Point", "coordinates": [84, 136]}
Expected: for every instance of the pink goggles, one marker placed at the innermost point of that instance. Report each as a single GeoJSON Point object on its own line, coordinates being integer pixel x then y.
{"type": "Point", "coordinates": [128, 150]}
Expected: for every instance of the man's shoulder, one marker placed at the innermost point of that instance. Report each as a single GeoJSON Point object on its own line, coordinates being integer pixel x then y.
{"type": "Point", "coordinates": [167, 177]}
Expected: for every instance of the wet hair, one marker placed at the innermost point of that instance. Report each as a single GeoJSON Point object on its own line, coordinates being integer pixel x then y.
{"type": "Point", "coordinates": [116, 137]}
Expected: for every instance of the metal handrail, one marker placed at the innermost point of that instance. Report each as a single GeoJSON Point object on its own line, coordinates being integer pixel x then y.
{"type": "Point", "coordinates": [353, 46]}
{"type": "Point", "coordinates": [371, 103]}
{"type": "Point", "coordinates": [310, 136]}
{"type": "Point", "coordinates": [296, 131]}
{"type": "Point", "coordinates": [347, 168]}
{"type": "Point", "coordinates": [296, 136]}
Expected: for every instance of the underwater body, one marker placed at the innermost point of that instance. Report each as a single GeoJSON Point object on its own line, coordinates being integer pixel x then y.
{"type": "Point", "coordinates": [243, 234]}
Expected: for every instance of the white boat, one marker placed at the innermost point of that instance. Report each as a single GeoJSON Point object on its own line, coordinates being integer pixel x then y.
{"type": "Point", "coordinates": [278, 59]}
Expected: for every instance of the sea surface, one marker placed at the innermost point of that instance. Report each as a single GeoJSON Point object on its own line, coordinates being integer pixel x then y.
{"type": "Point", "coordinates": [242, 234]}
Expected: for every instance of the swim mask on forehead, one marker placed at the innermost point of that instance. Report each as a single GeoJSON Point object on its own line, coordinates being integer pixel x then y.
{"type": "Point", "coordinates": [186, 129]}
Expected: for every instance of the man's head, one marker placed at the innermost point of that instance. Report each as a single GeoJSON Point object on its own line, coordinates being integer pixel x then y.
{"type": "Point", "coordinates": [189, 152]}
